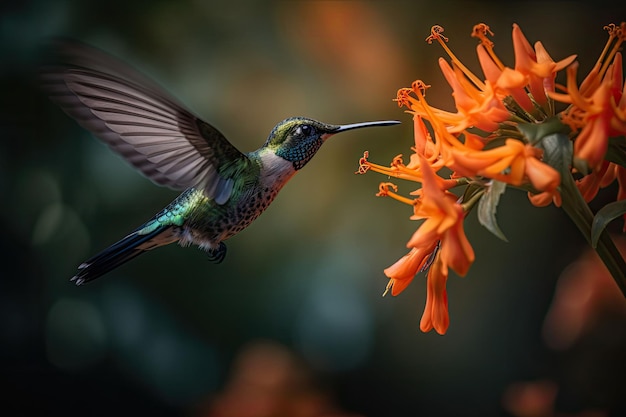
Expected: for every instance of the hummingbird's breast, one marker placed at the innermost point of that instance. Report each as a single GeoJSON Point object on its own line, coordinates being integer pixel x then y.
{"type": "Point", "coordinates": [210, 223]}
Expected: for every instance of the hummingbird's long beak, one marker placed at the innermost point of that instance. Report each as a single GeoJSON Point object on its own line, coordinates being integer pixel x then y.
{"type": "Point", "coordinates": [343, 128]}
{"type": "Point", "coordinates": [333, 130]}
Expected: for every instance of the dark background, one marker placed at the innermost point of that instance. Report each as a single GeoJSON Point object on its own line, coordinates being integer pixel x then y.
{"type": "Point", "coordinates": [165, 334]}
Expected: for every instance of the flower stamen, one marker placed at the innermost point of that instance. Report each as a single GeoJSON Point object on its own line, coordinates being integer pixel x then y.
{"type": "Point", "coordinates": [480, 31]}
{"type": "Point", "coordinates": [436, 34]}
{"type": "Point", "coordinates": [383, 191]}
{"type": "Point", "coordinates": [363, 164]}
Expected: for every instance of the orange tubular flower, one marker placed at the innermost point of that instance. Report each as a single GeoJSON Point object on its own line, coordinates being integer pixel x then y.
{"type": "Point", "coordinates": [534, 69]}
{"type": "Point", "coordinates": [506, 80]}
{"type": "Point", "coordinates": [444, 221]}
{"type": "Point", "coordinates": [481, 109]}
{"type": "Point", "coordinates": [592, 115]}
{"type": "Point", "coordinates": [596, 110]}
{"type": "Point", "coordinates": [536, 64]}
{"type": "Point", "coordinates": [442, 230]}
{"type": "Point", "coordinates": [404, 270]}
{"type": "Point", "coordinates": [436, 314]}
{"type": "Point", "coordinates": [505, 131]}
{"type": "Point", "coordinates": [600, 178]}
{"type": "Point", "coordinates": [511, 163]}
{"type": "Point", "coordinates": [424, 146]}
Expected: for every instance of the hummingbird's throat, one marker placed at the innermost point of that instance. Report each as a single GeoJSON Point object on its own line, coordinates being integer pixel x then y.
{"type": "Point", "coordinates": [300, 154]}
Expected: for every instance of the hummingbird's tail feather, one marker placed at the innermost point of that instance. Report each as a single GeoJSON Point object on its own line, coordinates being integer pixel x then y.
{"type": "Point", "coordinates": [123, 251]}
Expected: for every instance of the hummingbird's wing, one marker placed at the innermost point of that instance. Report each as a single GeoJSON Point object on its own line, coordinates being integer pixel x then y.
{"type": "Point", "coordinates": [141, 122]}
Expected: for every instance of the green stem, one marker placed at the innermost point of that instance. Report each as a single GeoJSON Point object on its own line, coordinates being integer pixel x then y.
{"type": "Point", "coordinates": [558, 152]}
{"type": "Point", "coordinates": [580, 213]}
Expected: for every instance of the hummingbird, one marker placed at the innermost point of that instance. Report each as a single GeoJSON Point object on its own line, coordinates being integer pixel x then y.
{"type": "Point", "coordinates": [223, 189]}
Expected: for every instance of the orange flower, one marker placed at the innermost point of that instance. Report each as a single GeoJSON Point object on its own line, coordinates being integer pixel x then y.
{"type": "Point", "coordinates": [415, 99]}
{"type": "Point", "coordinates": [402, 272]}
{"type": "Point", "coordinates": [476, 101]}
{"type": "Point", "coordinates": [511, 163]}
{"type": "Point", "coordinates": [497, 133]}
{"type": "Point", "coordinates": [590, 184]}
{"type": "Point", "coordinates": [506, 80]}
{"type": "Point", "coordinates": [536, 65]}
{"type": "Point", "coordinates": [441, 235]}
{"type": "Point", "coordinates": [597, 107]}
{"type": "Point", "coordinates": [590, 115]}
{"type": "Point", "coordinates": [444, 221]}
{"type": "Point", "coordinates": [424, 147]}
{"type": "Point", "coordinates": [534, 69]}
{"type": "Point", "coordinates": [476, 107]}
{"type": "Point", "coordinates": [436, 314]}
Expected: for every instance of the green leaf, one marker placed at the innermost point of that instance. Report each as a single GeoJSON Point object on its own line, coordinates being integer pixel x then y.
{"type": "Point", "coordinates": [487, 208]}
{"type": "Point", "coordinates": [535, 132]}
{"type": "Point", "coordinates": [496, 143]}
{"type": "Point", "coordinates": [603, 217]}
{"type": "Point", "coordinates": [616, 152]}
{"type": "Point", "coordinates": [471, 190]}
{"type": "Point", "coordinates": [558, 151]}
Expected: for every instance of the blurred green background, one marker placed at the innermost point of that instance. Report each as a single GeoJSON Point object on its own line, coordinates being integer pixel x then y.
{"type": "Point", "coordinates": [171, 334]}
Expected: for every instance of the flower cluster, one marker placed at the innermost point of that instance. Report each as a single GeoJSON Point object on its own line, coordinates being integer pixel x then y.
{"type": "Point", "coordinates": [505, 132]}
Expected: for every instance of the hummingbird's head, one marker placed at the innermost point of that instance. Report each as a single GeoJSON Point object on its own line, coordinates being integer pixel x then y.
{"type": "Point", "coordinates": [298, 139]}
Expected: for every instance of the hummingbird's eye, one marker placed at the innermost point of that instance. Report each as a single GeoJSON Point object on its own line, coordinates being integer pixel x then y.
{"type": "Point", "coordinates": [304, 130]}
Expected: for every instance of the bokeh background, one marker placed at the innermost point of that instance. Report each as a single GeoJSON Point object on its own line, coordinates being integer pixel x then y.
{"type": "Point", "coordinates": [292, 323]}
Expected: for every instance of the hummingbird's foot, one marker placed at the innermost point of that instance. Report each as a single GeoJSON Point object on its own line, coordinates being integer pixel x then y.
{"type": "Point", "coordinates": [217, 255]}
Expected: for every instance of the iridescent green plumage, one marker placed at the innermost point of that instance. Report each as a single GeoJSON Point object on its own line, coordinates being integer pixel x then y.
{"type": "Point", "coordinates": [224, 189]}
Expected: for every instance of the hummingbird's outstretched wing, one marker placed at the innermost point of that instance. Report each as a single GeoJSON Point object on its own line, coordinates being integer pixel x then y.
{"type": "Point", "coordinates": [141, 122]}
